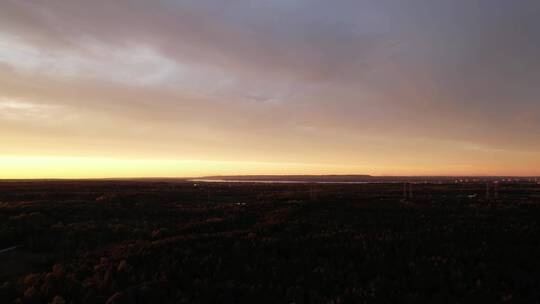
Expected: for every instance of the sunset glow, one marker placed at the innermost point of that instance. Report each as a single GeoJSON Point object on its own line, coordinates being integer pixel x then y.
{"type": "Point", "coordinates": [95, 89]}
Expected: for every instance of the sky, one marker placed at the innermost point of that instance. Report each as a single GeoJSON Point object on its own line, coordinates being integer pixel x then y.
{"type": "Point", "coordinates": [178, 88]}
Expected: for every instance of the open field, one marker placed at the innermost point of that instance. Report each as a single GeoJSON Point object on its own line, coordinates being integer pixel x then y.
{"type": "Point", "coordinates": [186, 242]}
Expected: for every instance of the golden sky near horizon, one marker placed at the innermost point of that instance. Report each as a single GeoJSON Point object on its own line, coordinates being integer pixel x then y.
{"type": "Point", "coordinates": [192, 88]}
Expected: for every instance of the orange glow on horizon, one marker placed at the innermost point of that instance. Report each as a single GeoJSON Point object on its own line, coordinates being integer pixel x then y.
{"type": "Point", "coordinates": [193, 88]}
{"type": "Point", "coordinates": [16, 167]}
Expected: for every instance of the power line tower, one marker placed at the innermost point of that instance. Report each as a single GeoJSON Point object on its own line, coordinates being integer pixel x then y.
{"type": "Point", "coordinates": [407, 191]}
{"type": "Point", "coordinates": [311, 194]}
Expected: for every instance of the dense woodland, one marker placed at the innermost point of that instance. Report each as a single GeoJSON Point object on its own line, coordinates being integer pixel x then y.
{"type": "Point", "coordinates": [186, 242]}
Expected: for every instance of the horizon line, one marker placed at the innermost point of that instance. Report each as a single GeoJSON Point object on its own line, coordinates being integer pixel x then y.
{"type": "Point", "coordinates": [258, 176]}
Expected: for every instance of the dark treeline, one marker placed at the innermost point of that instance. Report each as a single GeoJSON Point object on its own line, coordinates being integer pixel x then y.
{"type": "Point", "coordinates": [185, 242]}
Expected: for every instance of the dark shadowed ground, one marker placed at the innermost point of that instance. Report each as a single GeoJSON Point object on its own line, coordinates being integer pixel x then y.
{"type": "Point", "coordinates": [180, 242]}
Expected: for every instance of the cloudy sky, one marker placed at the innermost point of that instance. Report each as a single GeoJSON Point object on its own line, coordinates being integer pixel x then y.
{"type": "Point", "coordinates": [186, 88]}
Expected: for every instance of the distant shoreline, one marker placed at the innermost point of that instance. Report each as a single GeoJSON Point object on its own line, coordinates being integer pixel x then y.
{"type": "Point", "coordinates": [290, 179]}
{"type": "Point", "coordinates": [354, 179]}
